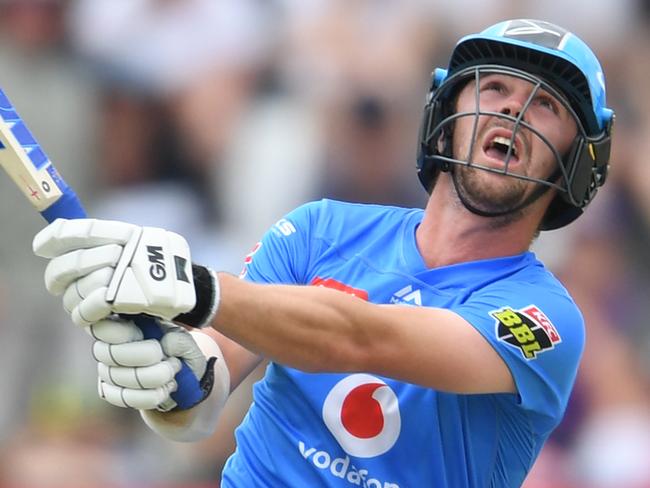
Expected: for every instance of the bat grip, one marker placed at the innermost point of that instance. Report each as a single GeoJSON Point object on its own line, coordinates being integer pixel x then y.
{"type": "Point", "coordinates": [68, 204]}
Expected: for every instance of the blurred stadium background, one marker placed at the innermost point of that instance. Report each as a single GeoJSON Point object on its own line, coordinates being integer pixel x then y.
{"type": "Point", "coordinates": [215, 117]}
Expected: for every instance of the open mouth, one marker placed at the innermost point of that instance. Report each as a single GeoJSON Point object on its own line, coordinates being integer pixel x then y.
{"type": "Point", "coordinates": [498, 147]}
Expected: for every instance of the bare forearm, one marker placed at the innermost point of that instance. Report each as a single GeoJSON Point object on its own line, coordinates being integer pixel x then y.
{"type": "Point", "coordinates": [310, 328]}
{"type": "Point", "coordinates": [316, 329]}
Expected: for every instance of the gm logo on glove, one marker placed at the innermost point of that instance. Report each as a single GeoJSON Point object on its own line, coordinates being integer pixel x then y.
{"type": "Point", "coordinates": [157, 269]}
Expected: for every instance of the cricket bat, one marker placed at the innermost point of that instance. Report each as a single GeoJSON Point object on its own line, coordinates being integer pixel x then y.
{"type": "Point", "coordinates": [34, 174]}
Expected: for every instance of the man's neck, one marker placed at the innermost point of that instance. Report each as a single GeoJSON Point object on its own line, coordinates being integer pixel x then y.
{"type": "Point", "coordinates": [450, 234]}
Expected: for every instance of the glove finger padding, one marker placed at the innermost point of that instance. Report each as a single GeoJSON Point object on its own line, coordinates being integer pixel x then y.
{"type": "Point", "coordinates": [142, 378]}
{"type": "Point", "coordinates": [92, 308]}
{"type": "Point", "coordinates": [131, 354]}
{"type": "Point", "coordinates": [64, 270]}
{"type": "Point", "coordinates": [63, 236]}
{"type": "Point", "coordinates": [82, 288]}
{"type": "Point", "coordinates": [115, 331]}
{"type": "Point", "coordinates": [138, 399]}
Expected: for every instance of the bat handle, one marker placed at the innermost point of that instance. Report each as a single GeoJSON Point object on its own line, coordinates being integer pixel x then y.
{"type": "Point", "coordinates": [68, 204]}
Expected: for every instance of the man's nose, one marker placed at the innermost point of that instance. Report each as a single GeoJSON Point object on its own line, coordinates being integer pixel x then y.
{"type": "Point", "coordinates": [510, 111]}
{"type": "Point", "coordinates": [514, 104]}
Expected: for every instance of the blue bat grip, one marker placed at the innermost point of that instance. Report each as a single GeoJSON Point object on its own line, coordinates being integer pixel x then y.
{"type": "Point", "coordinates": [68, 204]}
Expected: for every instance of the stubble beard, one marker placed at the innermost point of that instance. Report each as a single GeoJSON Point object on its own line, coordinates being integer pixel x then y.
{"type": "Point", "coordinates": [503, 198]}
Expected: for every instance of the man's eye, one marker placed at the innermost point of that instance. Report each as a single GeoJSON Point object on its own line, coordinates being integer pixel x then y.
{"type": "Point", "coordinates": [548, 103]}
{"type": "Point", "coordinates": [495, 86]}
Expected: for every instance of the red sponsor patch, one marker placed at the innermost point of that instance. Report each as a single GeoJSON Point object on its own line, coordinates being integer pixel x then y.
{"type": "Point", "coordinates": [538, 316]}
{"type": "Point", "coordinates": [337, 285]}
{"type": "Point", "coordinates": [249, 259]}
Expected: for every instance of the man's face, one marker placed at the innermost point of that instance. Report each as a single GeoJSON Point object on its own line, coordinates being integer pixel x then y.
{"type": "Point", "coordinates": [530, 156]}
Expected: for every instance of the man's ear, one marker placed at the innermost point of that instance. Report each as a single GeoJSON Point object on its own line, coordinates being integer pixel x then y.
{"type": "Point", "coordinates": [442, 143]}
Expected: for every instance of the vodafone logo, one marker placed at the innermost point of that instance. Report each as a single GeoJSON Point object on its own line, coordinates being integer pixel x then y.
{"type": "Point", "coordinates": [362, 412]}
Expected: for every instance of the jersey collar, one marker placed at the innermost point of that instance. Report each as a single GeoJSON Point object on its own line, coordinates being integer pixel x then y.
{"type": "Point", "coordinates": [464, 274]}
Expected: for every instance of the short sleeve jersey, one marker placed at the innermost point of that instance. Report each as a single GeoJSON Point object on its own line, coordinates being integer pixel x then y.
{"type": "Point", "coordinates": [347, 430]}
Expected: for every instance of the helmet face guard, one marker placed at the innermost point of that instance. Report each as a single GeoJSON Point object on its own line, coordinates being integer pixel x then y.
{"type": "Point", "coordinates": [581, 170]}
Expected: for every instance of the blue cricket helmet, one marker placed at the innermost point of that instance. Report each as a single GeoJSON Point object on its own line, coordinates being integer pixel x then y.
{"type": "Point", "coordinates": [563, 61]}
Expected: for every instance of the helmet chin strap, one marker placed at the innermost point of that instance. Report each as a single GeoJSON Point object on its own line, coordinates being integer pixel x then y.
{"type": "Point", "coordinates": [532, 198]}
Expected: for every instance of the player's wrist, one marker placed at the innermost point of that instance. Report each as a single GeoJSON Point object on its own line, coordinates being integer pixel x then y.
{"type": "Point", "coordinates": [206, 286]}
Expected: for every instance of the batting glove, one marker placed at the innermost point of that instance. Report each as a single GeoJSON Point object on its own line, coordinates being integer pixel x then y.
{"type": "Point", "coordinates": [103, 267]}
{"type": "Point", "coordinates": [140, 374]}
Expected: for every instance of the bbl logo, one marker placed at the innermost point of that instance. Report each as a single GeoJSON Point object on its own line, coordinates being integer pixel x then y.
{"type": "Point", "coordinates": [527, 329]}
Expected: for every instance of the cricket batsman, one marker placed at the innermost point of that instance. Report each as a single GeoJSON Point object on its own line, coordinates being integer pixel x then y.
{"type": "Point", "coordinates": [407, 347]}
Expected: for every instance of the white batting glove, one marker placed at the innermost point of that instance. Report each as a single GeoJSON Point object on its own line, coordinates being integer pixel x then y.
{"type": "Point", "coordinates": [137, 373]}
{"type": "Point", "coordinates": [103, 267]}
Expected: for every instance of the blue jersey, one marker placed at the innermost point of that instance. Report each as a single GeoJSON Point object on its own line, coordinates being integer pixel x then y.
{"type": "Point", "coordinates": [346, 430]}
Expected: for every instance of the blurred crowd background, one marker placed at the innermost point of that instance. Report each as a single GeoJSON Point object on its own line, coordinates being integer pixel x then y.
{"type": "Point", "coordinates": [215, 117]}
